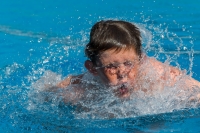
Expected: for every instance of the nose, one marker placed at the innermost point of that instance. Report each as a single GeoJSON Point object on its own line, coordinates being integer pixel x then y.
{"type": "Point", "coordinates": [121, 68]}
{"type": "Point", "coordinates": [121, 72]}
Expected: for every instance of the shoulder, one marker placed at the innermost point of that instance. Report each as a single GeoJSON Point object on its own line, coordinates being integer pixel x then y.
{"type": "Point", "coordinates": [163, 67]}
{"type": "Point", "coordinates": [150, 64]}
{"type": "Point", "coordinates": [162, 71]}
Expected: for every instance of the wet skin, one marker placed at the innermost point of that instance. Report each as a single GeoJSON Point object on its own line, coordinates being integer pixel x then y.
{"type": "Point", "coordinates": [117, 69]}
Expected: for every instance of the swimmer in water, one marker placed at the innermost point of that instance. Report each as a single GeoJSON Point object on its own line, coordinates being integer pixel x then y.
{"type": "Point", "coordinates": [115, 60]}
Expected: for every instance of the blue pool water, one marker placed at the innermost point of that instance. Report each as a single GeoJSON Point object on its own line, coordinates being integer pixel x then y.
{"type": "Point", "coordinates": [48, 37]}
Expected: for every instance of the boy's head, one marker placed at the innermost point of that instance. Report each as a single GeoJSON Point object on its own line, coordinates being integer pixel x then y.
{"type": "Point", "coordinates": [112, 35]}
{"type": "Point", "coordinates": [114, 51]}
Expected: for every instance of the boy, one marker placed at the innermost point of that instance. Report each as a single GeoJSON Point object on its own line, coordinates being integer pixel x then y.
{"type": "Point", "coordinates": [116, 62]}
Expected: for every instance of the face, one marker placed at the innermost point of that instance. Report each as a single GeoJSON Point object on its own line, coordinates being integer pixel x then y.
{"type": "Point", "coordinates": [118, 70]}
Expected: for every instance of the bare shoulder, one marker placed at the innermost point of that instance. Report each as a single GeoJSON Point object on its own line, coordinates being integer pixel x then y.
{"type": "Point", "coordinates": [156, 65]}
{"type": "Point", "coordinates": [162, 67]}
{"type": "Point", "coordinates": [165, 71]}
{"type": "Point", "coordinates": [173, 74]}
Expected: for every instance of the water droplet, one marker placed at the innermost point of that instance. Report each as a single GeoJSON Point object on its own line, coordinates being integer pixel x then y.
{"type": "Point", "coordinates": [184, 48]}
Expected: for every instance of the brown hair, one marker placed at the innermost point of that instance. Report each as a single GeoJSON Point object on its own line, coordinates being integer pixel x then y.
{"type": "Point", "coordinates": [112, 34]}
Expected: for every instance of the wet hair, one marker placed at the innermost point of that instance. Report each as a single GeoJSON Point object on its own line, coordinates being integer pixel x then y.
{"type": "Point", "coordinates": [109, 35]}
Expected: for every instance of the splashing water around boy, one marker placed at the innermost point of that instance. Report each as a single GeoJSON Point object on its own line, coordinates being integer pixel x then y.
{"type": "Point", "coordinates": [118, 67]}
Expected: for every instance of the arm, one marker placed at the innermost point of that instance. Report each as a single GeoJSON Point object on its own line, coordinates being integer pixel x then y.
{"type": "Point", "coordinates": [69, 80]}
{"type": "Point", "coordinates": [69, 89]}
{"type": "Point", "coordinates": [72, 90]}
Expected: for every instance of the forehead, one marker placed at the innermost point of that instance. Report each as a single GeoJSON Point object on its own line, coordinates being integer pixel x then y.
{"type": "Point", "coordinates": [110, 56]}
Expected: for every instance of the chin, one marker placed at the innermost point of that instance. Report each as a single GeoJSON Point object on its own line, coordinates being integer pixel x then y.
{"type": "Point", "coordinates": [124, 96]}
{"type": "Point", "coordinates": [123, 92]}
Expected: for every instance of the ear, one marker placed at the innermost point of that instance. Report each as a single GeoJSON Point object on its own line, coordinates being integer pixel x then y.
{"type": "Point", "coordinates": [90, 67]}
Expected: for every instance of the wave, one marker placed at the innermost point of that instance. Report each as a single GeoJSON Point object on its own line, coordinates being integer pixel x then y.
{"type": "Point", "coordinates": [40, 36]}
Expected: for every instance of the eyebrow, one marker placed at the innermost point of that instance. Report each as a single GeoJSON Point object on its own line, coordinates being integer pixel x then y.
{"type": "Point", "coordinates": [116, 63]}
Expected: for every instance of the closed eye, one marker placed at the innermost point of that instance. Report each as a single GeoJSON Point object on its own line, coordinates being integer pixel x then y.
{"type": "Point", "coordinates": [111, 66]}
{"type": "Point", "coordinates": [128, 64]}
